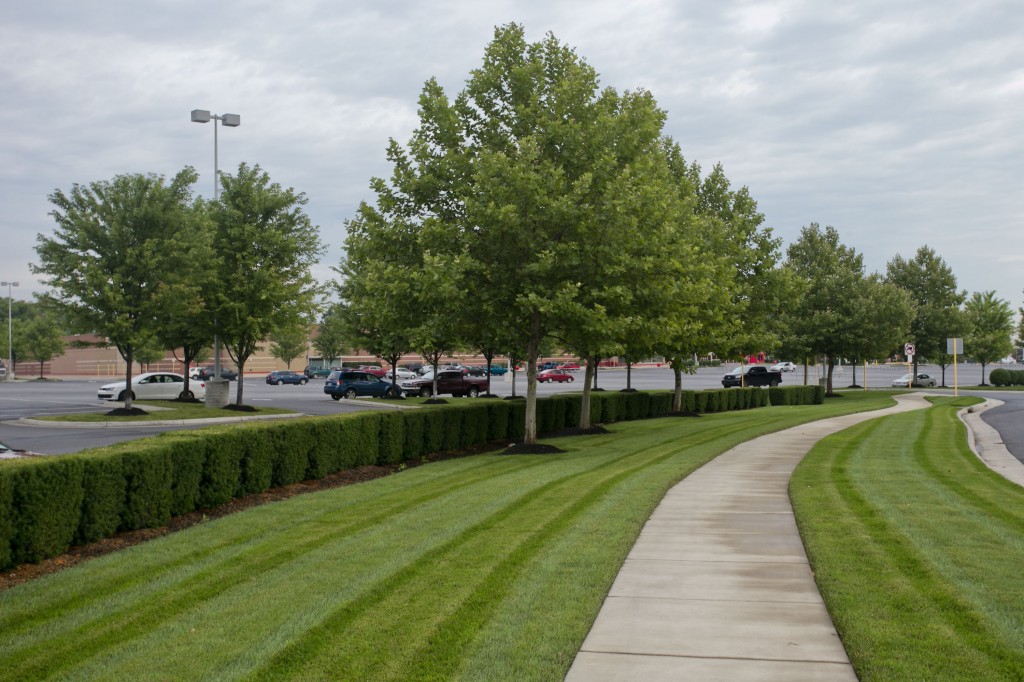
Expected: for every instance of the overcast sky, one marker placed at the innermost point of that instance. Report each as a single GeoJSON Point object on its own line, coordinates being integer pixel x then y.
{"type": "Point", "coordinates": [900, 123]}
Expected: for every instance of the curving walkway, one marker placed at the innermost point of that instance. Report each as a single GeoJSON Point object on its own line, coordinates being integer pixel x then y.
{"type": "Point", "coordinates": [718, 586]}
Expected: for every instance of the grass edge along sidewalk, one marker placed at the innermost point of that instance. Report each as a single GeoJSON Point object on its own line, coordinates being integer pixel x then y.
{"type": "Point", "coordinates": [916, 547]}
{"type": "Point", "coordinates": [486, 567]}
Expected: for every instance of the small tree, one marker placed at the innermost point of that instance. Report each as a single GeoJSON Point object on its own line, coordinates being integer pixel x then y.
{"type": "Point", "coordinates": [288, 344]}
{"type": "Point", "coordinates": [264, 246]}
{"type": "Point", "coordinates": [331, 337]}
{"type": "Point", "coordinates": [42, 339]}
{"type": "Point", "coordinates": [115, 245]}
{"type": "Point", "coordinates": [990, 330]}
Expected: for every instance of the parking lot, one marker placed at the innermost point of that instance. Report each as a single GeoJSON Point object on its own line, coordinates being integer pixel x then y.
{"type": "Point", "coordinates": [25, 399]}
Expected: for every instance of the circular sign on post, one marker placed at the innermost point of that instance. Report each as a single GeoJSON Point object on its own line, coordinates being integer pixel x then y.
{"type": "Point", "coordinates": [908, 349]}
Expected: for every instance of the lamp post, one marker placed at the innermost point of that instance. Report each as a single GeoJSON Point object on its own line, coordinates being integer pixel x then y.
{"type": "Point", "coordinates": [10, 330]}
{"type": "Point", "coordinates": [218, 396]}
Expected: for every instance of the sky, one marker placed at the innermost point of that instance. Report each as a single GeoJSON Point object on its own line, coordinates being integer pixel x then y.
{"type": "Point", "coordinates": [899, 123]}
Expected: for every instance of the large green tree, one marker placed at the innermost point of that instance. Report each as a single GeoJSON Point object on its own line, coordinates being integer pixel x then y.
{"type": "Point", "coordinates": [990, 321]}
{"type": "Point", "coordinates": [289, 343]}
{"type": "Point", "coordinates": [264, 245]}
{"type": "Point", "coordinates": [932, 287]}
{"type": "Point", "coordinates": [827, 319]}
{"type": "Point", "coordinates": [114, 249]}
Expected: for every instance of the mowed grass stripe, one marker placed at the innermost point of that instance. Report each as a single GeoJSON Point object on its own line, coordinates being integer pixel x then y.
{"type": "Point", "coordinates": [165, 596]}
{"type": "Point", "coordinates": [921, 579]}
{"type": "Point", "coordinates": [457, 591]}
{"type": "Point", "coordinates": [216, 542]}
{"type": "Point", "coordinates": [314, 568]}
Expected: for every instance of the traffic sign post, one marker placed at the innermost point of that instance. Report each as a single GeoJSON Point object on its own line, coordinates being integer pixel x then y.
{"type": "Point", "coordinates": [954, 347]}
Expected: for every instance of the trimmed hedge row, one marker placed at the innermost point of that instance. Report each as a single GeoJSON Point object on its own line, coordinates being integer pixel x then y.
{"type": "Point", "coordinates": [49, 503]}
{"type": "Point", "coordinates": [797, 395]}
{"type": "Point", "coordinates": [1006, 377]}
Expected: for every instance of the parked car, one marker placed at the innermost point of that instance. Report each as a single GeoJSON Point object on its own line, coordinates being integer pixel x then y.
{"type": "Point", "coordinates": [206, 373]}
{"type": "Point", "coordinates": [752, 375]}
{"type": "Point", "coordinates": [153, 386]}
{"type": "Point", "coordinates": [548, 365]}
{"type": "Point", "coordinates": [922, 381]}
{"type": "Point", "coordinates": [286, 376]}
{"type": "Point", "coordinates": [481, 370]}
{"type": "Point", "coordinates": [317, 372]}
{"type": "Point", "coordinates": [569, 367]}
{"type": "Point", "coordinates": [352, 383]}
{"type": "Point", "coordinates": [783, 367]}
{"type": "Point", "coordinates": [550, 375]}
{"type": "Point", "coordinates": [400, 373]}
{"type": "Point", "coordinates": [454, 382]}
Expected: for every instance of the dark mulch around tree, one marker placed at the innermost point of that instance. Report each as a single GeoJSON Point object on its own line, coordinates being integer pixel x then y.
{"type": "Point", "coordinates": [542, 449]}
{"type": "Point", "coordinates": [515, 397]}
{"type": "Point", "coordinates": [127, 412]}
{"type": "Point", "coordinates": [489, 395]}
{"type": "Point", "coordinates": [628, 390]}
{"type": "Point", "coordinates": [240, 408]}
{"type": "Point", "coordinates": [76, 555]}
{"type": "Point", "coordinates": [435, 401]}
{"type": "Point", "coordinates": [834, 395]}
{"type": "Point", "coordinates": [597, 389]}
{"type": "Point", "coordinates": [186, 400]}
{"type": "Point", "coordinates": [855, 386]}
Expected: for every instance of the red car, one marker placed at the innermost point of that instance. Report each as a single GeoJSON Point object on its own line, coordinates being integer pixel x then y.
{"type": "Point", "coordinates": [373, 369]}
{"type": "Point", "coordinates": [554, 375]}
{"type": "Point", "coordinates": [569, 367]}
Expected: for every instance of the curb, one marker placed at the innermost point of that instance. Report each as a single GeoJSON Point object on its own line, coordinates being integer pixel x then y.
{"type": "Point", "coordinates": [154, 422]}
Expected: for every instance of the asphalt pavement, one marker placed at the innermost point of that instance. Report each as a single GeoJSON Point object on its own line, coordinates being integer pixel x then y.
{"type": "Point", "coordinates": [27, 398]}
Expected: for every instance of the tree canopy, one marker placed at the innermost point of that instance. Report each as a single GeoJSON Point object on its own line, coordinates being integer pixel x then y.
{"type": "Point", "coordinates": [113, 257]}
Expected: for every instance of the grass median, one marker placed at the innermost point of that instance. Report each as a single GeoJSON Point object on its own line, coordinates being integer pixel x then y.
{"type": "Point", "coordinates": [917, 548]}
{"type": "Point", "coordinates": [166, 410]}
{"type": "Point", "coordinates": [480, 568]}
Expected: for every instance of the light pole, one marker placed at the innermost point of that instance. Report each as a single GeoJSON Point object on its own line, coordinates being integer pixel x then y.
{"type": "Point", "coordinates": [10, 330]}
{"type": "Point", "coordinates": [218, 397]}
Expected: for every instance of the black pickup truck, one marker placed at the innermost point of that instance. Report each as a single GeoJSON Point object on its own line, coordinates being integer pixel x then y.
{"type": "Point", "coordinates": [753, 375]}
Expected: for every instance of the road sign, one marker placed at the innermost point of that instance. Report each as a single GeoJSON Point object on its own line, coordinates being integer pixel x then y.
{"type": "Point", "coordinates": [908, 349]}
{"type": "Point", "coordinates": [954, 346]}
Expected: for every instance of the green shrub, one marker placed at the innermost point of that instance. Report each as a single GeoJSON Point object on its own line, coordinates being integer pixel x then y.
{"type": "Point", "coordinates": [148, 478]}
{"type": "Point", "coordinates": [103, 495]}
{"type": "Point", "coordinates": [46, 506]}
{"type": "Point", "coordinates": [391, 436]}
{"type": "Point", "coordinates": [6, 516]}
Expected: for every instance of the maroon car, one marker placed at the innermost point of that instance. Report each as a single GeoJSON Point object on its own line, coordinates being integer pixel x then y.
{"type": "Point", "coordinates": [558, 375]}
{"type": "Point", "coordinates": [449, 381]}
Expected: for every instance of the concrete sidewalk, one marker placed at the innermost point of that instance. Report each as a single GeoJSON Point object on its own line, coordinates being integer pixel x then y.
{"type": "Point", "coordinates": [718, 586]}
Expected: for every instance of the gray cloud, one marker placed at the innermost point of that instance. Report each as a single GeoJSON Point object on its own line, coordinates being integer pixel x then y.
{"type": "Point", "coordinates": [899, 123]}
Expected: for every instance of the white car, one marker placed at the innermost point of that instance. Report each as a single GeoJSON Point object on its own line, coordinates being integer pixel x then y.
{"type": "Point", "coordinates": [783, 367]}
{"type": "Point", "coordinates": [154, 386]}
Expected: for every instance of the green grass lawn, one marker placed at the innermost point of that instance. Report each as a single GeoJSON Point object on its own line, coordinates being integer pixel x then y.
{"type": "Point", "coordinates": [170, 410]}
{"type": "Point", "coordinates": [917, 548]}
{"type": "Point", "coordinates": [486, 567]}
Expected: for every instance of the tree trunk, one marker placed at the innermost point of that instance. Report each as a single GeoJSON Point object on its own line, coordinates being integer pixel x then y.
{"type": "Point", "coordinates": [828, 381]}
{"type": "Point", "coordinates": [585, 405]}
{"type": "Point", "coordinates": [129, 358]}
{"type": "Point", "coordinates": [629, 375]}
{"type": "Point", "coordinates": [40, 369]}
{"type": "Point", "coordinates": [488, 358]}
{"type": "Point", "coordinates": [240, 391]}
{"type": "Point", "coordinates": [597, 360]}
{"type": "Point", "coordinates": [532, 351]}
{"type": "Point", "coordinates": [807, 371]}
{"type": "Point", "coordinates": [677, 393]}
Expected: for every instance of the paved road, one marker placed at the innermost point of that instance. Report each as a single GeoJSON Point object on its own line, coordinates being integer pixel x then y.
{"type": "Point", "coordinates": [32, 398]}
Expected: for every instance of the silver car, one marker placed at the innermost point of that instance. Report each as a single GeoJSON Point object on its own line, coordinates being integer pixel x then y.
{"type": "Point", "coordinates": [922, 381]}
